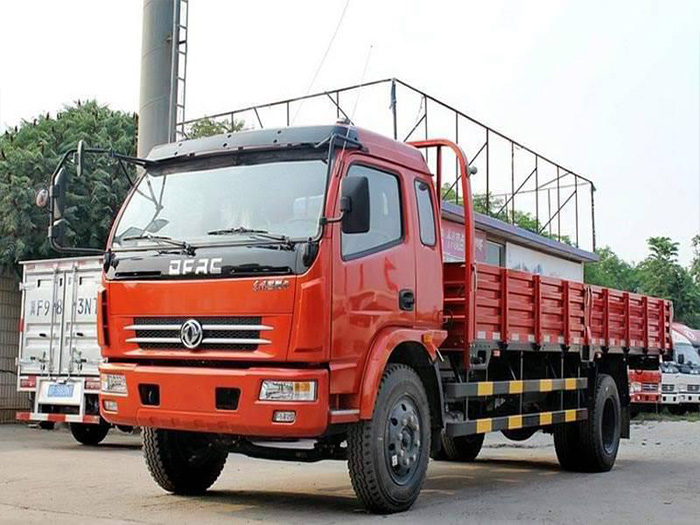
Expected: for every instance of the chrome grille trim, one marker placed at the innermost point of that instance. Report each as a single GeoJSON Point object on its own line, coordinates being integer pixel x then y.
{"type": "Point", "coordinates": [177, 327]}
{"type": "Point", "coordinates": [244, 333]}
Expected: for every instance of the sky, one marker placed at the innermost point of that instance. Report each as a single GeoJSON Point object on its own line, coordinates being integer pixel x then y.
{"type": "Point", "coordinates": [608, 89]}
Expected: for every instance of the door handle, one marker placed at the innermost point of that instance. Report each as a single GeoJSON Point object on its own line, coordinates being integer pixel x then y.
{"type": "Point", "coordinates": [407, 300]}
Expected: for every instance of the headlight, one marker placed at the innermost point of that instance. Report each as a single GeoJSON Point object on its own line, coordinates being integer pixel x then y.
{"type": "Point", "coordinates": [113, 384]}
{"type": "Point", "coordinates": [288, 390]}
{"type": "Point", "coordinates": [636, 386]}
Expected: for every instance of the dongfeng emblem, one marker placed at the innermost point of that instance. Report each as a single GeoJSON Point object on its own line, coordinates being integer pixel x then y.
{"type": "Point", "coordinates": [191, 333]}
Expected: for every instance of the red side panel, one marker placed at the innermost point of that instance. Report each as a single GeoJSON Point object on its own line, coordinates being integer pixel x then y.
{"type": "Point", "coordinates": [514, 306]}
{"type": "Point", "coordinates": [623, 319]}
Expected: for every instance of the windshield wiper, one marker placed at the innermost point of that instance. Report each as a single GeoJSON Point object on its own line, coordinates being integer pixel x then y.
{"type": "Point", "coordinates": [241, 230]}
{"type": "Point", "coordinates": [184, 245]}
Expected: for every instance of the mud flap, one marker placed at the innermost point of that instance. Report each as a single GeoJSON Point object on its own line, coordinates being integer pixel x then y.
{"type": "Point", "coordinates": [625, 423]}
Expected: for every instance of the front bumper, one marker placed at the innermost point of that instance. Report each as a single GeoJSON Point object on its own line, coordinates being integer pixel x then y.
{"type": "Point", "coordinates": [686, 397]}
{"type": "Point", "coordinates": [644, 398]}
{"type": "Point", "coordinates": [187, 400]}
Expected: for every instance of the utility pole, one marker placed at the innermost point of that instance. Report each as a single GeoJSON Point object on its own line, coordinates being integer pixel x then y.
{"type": "Point", "coordinates": [159, 73]}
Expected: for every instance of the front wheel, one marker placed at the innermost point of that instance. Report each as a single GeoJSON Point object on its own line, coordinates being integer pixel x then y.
{"type": "Point", "coordinates": [388, 455]}
{"type": "Point", "coordinates": [89, 434]}
{"type": "Point", "coordinates": [181, 462]}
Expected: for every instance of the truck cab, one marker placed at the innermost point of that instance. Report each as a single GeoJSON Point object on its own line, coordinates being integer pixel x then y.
{"type": "Point", "coordinates": [686, 382]}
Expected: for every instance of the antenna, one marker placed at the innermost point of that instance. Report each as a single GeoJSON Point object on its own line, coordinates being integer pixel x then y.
{"type": "Point", "coordinates": [323, 59]}
{"type": "Point", "coordinates": [362, 81]}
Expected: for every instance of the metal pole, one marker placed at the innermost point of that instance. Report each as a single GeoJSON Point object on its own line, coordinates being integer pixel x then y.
{"type": "Point", "coordinates": [537, 195]}
{"type": "Point", "coordinates": [158, 97]}
{"type": "Point", "coordinates": [488, 195]}
{"type": "Point", "coordinates": [512, 183]}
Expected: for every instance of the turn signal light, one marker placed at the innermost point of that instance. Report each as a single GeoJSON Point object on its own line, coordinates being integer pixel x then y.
{"type": "Point", "coordinates": [288, 390]}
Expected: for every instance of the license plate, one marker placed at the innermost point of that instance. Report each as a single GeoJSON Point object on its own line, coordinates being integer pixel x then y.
{"type": "Point", "coordinates": [61, 390]}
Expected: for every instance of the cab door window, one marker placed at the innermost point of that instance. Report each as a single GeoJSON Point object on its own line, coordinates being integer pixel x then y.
{"type": "Point", "coordinates": [385, 228]}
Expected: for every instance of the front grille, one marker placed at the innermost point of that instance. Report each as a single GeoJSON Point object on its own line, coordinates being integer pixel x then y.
{"type": "Point", "coordinates": [650, 387]}
{"type": "Point", "coordinates": [667, 388]}
{"type": "Point", "coordinates": [693, 388]}
{"type": "Point", "coordinates": [219, 333]}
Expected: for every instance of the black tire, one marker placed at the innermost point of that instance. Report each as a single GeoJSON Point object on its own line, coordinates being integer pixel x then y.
{"type": "Point", "coordinates": [592, 445]}
{"type": "Point", "coordinates": [180, 462]}
{"type": "Point", "coordinates": [462, 448]}
{"type": "Point", "coordinates": [126, 429]}
{"type": "Point", "coordinates": [89, 434]}
{"type": "Point", "coordinates": [388, 455]}
{"type": "Point", "coordinates": [520, 434]}
{"type": "Point", "coordinates": [47, 425]}
{"type": "Point", "coordinates": [678, 410]}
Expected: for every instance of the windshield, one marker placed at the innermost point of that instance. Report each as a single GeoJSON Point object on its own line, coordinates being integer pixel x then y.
{"type": "Point", "coordinates": [689, 353]}
{"type": "Point", "coordinates": [209, 205]}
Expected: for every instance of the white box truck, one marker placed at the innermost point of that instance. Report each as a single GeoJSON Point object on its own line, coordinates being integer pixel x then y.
{"type": "Point", "coordinates": [58, 351]}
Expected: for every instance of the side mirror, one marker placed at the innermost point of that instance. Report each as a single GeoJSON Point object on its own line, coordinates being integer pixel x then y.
{"type": "Point", "coordinates": [57, 196]}
{"type": "Point", "coordinates": [473, 170]}
{"type": "Point", "coordinates": [79, 157]}
{"type": "Point", "coordinates": [354, 204]}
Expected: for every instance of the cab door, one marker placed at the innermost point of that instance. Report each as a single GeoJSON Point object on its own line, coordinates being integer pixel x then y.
{"type": "Point", "coordinates": [373, 273]}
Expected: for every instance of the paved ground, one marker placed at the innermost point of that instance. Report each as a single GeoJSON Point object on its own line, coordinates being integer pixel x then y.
{"type": "Point", "coordinates": [46, 476]}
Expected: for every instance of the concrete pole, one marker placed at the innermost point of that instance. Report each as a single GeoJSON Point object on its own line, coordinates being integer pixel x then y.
{"type": "Point", "coordinates": [158, 94]}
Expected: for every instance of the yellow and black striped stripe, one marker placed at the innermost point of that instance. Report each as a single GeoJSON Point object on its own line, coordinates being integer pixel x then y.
{"type": "Point", "coordinates": [495, 388]}
{"type": "Point", "coordinates": [494, 424]}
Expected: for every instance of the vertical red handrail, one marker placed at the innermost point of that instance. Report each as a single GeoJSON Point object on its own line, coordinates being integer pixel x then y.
{"type": "Point", "coordinates": [469, 263]}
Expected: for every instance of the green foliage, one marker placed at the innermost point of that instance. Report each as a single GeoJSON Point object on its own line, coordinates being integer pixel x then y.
{"type": "Point", "coordinates": [661, 275]}
{"type": "Point", "coordinates": [611, 271]}
{"type": "Point", "coordinates": [207, 127]}
{"type": "Point", "coordinates": [28, 156]}
{"type": "Point", "coordinates": [695, 265]}
{"type": "Point", "coordinates": [658, 275]}
{"type": "Point", "coordinates": [497, 210]}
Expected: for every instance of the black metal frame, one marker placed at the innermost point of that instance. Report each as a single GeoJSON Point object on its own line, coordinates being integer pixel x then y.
{"type": "Point", "coordinates": [549, 223]}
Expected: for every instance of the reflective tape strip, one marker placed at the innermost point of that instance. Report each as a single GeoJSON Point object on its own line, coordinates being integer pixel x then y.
{"type": "Point", "coordinates": [485, 388]}
{"type": "Point", "coordinates": [545, 418]}
{"type": "Point", "coordinates": [499, 388]}
{"type": "Point", "coordinates": [57, 418]}
{"type": "Point", "coordinates": [540, 419]}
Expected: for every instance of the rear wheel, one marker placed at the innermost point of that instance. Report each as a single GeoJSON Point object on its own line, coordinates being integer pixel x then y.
{"type": "Point", "coordinates": [183, 462]}
{"type": "Point", "coordinates": [388, 455]}
{"type": "Point", "coordinates": [678, 410]}
{"type": "Point", "coordinates": [89, 434]}
{"type": "Point", "coordinates": [462, 448]}
{"type": "Point", "coordinates": [592, 445]}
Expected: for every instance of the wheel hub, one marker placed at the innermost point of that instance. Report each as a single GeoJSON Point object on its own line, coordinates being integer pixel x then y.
{"type": "Point", "coordinates": [402, 440]}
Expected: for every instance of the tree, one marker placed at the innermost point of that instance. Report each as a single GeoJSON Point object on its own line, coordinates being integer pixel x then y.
{"type": "Point", "coordinates": [28, 156]}
{"type": "Point", "coordinates": [695, 264]}
{"type": "Point", "coordinates": [611, 271]}
{"type": "Point", "coordinates": [207, 127]}
{"type": "Point", "coordinates": [497, 209]}
{"type": "Point", "coordinates": [661, 275]}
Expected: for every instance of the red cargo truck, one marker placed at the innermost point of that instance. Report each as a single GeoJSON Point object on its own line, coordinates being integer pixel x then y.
{"type": "Point", "coordinates": [289, 283]}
